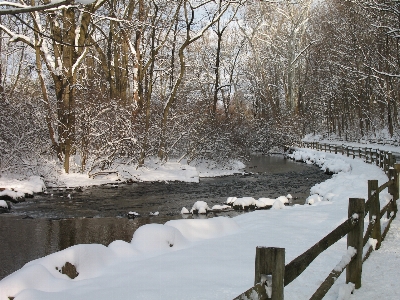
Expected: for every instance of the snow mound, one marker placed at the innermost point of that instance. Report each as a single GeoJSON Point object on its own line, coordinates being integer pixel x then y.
{"type": "Point", "coordinates": [157, 237]}
{"type": "Point", "coordinates": [199, 229]}
{"type": "Point", "coordinates": [313, 199]}
{"type": "Point", "coordinates": [123, 249]}
{"type": "Point", "coordinates": [81, 256]}
{"type": "Point", "coordinates": [278, 205]}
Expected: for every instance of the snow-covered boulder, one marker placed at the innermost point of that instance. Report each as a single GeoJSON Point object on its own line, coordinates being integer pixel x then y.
{"type": "Point", "coordinates": [244, 203]}
{"type": "Point", "coordinates": [313, 199]}
{"type": "Point", "coordinates": [200, 207]}
{"type": "Point", "coordinates": [184, 210]}
{"type": "Point", "coordinates": [230, 200]}
{"type": "Point", "coordinates": [12, 196]}
{"type": "Point", "coordinates": [4, 207]}
{"type": "Point", "coordinates": [267, 201]}
{"type": "Point", "coordinates": [133, 214]}
{"type": "Point", "coordinates": [261, 204]}
{"type": "Point", "coordinates": [283, 199]}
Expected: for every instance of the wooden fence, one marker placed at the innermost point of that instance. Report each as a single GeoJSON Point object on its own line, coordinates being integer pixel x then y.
{"type": "Point", "coordinates": [384, 159]}
{"type": "Point", "coordinates": [271, 273]}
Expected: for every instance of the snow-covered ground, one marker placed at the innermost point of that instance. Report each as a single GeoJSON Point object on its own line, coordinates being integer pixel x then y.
{"type": "Point", "coordinates": [214, 258]}
{"type": "Point", "coordinates": [385, 146]}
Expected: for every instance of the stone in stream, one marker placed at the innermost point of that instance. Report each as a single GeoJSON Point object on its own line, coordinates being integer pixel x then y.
{"type": "Point", "coordinates": [132, 215]}
{"type": "Point", "coordinates": [5, 206]}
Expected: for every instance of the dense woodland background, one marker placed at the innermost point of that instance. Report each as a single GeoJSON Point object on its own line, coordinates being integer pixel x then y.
{"type": "Point", "coordinates": [118, 81]}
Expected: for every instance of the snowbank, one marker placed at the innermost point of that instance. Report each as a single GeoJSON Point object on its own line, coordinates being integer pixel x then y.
{"type": "Point", "coordinates": [15, 188]}
{"type": "Point", "coordinates": [153, 170]}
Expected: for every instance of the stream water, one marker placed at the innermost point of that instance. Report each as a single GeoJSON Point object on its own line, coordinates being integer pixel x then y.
{"type": "Point", "coordinates": [61, 218]}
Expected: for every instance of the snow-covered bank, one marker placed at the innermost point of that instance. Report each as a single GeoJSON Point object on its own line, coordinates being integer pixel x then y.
{"type": "Point", "coordinates": [15, 188]}
{"type": "Point", "coordinates": [153, 170]}
{"type": "Point", "coordinates": [209, 259]}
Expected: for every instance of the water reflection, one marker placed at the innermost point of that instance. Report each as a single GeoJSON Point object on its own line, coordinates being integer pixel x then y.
{"type": "Point", "coordinates": [25, 239]}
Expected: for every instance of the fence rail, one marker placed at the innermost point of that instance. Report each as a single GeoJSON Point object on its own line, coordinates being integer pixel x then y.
{"type": "Point", "coordinates": [271, 273]}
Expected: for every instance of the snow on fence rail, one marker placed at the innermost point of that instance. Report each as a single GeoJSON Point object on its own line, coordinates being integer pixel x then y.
{"type": "Point", "coordinates": [272, 275]}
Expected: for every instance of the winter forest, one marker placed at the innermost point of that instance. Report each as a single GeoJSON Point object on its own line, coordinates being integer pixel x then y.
{"type": "Point", "coordinates": [87, 86]}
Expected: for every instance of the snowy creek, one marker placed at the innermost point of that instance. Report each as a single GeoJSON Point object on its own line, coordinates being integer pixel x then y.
{"type": "Point", "coordinates": [61, 218]}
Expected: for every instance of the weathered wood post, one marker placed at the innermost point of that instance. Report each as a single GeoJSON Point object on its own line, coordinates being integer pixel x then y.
{"type": "Point", "coordinates": [335, 149]}
{"type": "Point", "coordinates": [385, 162]}
{"type": "Point", "coordinates": [381, 159]}
{"type": "Point", "coordinates": [359, 152]}
{"type": "Point", "coordinates": [396, 188]}
{"type": "Point", "coordinates": [348, 151]}
{"type": "Point", "coordinates": [372, 156]}
{"type": "Point", "coordinates": [366, 154]}
{"type": "Point", "coordinates": [376, 157]}
{"type": "Point", "coordinates": [354, 152]}
{"type": "Point", "coordinates": [271, 261]}
{"type": "Point", "coordinates": [393, 189]}
{"type": "Point", "coordinates": [355, 240]}
{"type": "Point", "coordinates": [370, 153]}
{"type": "Point", "coordinates": [375, 211]}
{"type": "Point", "coordinates": [392, 159]}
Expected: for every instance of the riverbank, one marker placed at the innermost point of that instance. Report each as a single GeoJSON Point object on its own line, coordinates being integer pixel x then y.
{"type": "Point", "coordinates": [216, 264]}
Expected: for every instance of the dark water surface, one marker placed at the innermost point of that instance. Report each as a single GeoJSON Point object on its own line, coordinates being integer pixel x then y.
{"type": "Point", "coordinates": [62, 218]}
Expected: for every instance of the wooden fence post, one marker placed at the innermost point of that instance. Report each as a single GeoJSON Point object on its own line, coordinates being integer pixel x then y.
{"type": "Point", "coordinates": [271, 261]}
{"type": "Point", "coordinates": [381, 153]}
{"type": "Point", "coordinates": [385, 162]}
{"type": "Point", "coordinates": [347, 151]}
{"type": "Point", "coordinates": [376, 157]}
{"type": "Point", "coordinates": [375, 211]}
{"type": "Point", "coordinates": [397, 180]}
{"type": "Point", "coordinates": [393, 190]}
{"type": "Point", "coordinates": [370, 153]}
{"type": "Point", "coordinates": [355, 240]}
